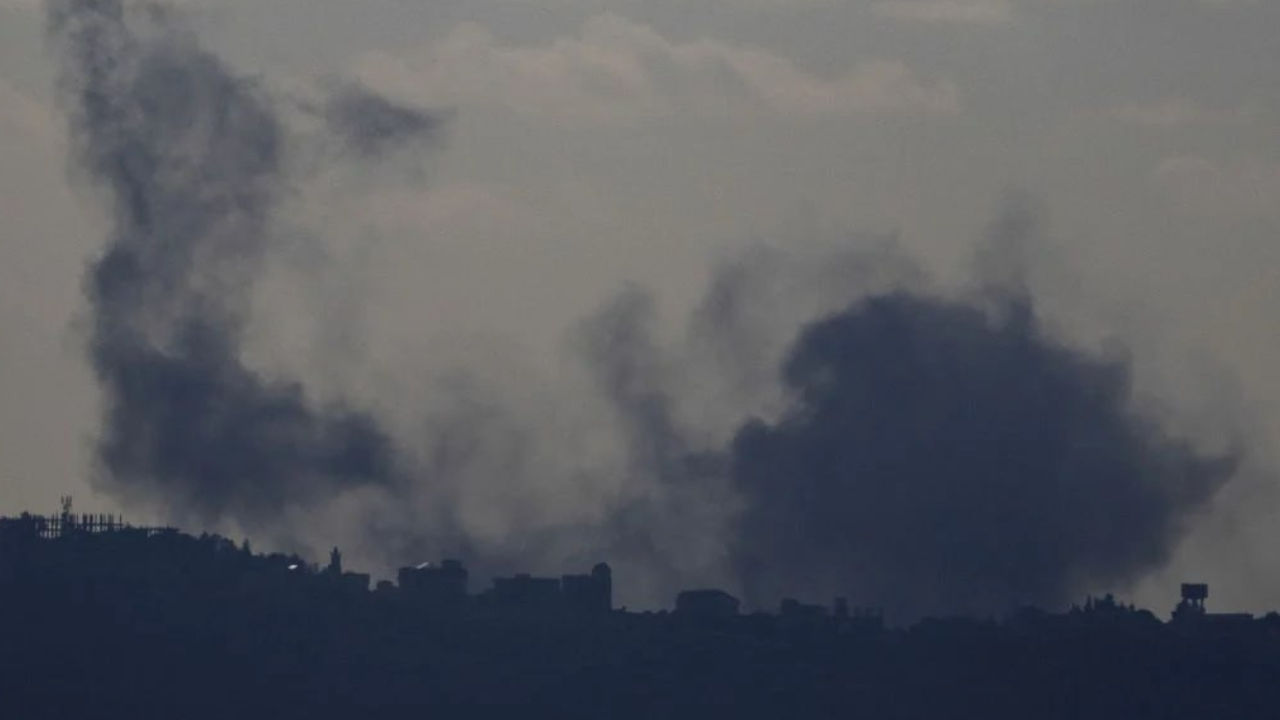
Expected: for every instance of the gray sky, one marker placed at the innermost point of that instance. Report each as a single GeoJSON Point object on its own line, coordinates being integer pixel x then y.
{"type": "Point", "coordinates": [596, 143]}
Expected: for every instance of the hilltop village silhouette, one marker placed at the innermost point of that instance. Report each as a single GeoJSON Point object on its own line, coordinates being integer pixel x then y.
{"type": "Point", "coordinates": [101, 618]}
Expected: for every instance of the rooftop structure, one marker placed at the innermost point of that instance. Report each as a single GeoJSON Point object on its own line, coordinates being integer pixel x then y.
{"type": "Point", "coordinates": [707, 604]}
{"type": "Point", "coordinates": [66, 522]}
{"type": "Point", "coordinates": [1191, 609]}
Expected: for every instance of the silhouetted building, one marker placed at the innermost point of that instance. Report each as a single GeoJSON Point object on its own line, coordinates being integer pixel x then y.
{"type": "Point", "coordinates": [18, 537]}
{"type": "Point", "coordinates": [863, 620]}
{"type": "Point", "coordinates": [66, 523]}
{"type": "Point", "coordinates": [589, 594]}
{"type": "Point", "coordinates": [1191, 611]}
{"type": "Point", "coordinates": [527, 594]}
{"type": "Point", "coordinates": [792, 608]}
{"type": "Point", "coordinates": [795, 615]}
{"type": "Point", "coordinates": [348, 582]}
{"type": "Point", "coordinates": [442, 587]}
{"type": "Point", "coordinates": [707, 604]}
{"type": "Point", "coordinates": [1192, 602]}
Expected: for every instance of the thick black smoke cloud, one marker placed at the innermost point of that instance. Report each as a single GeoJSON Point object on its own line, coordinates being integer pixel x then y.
{"type": "Point", "coordinates": [939, 457]}
{"type": "Point", "coordinates": [934, 457]}
{"type": "Point", "coordinates": [190, 155]}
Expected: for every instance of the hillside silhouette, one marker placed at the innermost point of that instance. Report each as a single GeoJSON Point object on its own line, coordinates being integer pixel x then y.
{"type": "Point", "coordinates": [106, 620]}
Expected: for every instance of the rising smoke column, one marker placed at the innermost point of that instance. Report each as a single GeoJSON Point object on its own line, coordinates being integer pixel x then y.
{"type": "Point", "coordinates": [943, 458]}
{"type": "Point", "coordinates": [668, 527]}
{"type": "Point", "coordinates": [190, 157]}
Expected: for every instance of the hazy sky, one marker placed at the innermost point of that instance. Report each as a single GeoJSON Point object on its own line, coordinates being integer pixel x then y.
{"type": "Point", "coordinates": [596, 143]}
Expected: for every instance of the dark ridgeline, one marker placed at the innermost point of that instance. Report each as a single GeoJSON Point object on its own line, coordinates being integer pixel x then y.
{"type": "Point", "coordinates": [102, 619]}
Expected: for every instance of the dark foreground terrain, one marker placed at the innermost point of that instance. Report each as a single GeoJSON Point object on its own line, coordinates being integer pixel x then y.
{"type": "Point", "coordinates": [156, 624]}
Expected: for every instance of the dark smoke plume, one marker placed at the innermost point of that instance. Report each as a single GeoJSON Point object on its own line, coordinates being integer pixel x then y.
{"type": "Point", "coordinates": [935, 457]}
{"type": "Point", "coordinates": [373, 125]}
{"type": "Point", "coordinates": [941, 458]}
{"type": "Point", "coordinates": [190, 155]}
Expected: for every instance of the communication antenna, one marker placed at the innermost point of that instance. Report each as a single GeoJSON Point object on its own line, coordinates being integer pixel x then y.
{"type": "Point", "coordinates": [65, 521]}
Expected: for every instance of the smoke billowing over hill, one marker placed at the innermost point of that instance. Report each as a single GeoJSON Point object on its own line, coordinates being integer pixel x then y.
{"type": "Point", "coordinates": [923, 453]}
{"type": "Point", "coordinates": [948, 459]}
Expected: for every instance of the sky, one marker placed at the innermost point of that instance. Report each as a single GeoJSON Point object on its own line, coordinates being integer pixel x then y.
{"type": "Point", "coordinates": [598, 147]}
